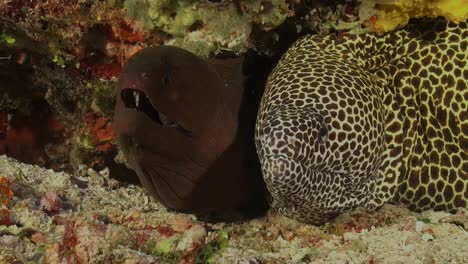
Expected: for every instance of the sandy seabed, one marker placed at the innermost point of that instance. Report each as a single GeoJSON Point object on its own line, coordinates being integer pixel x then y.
{"type": "Point", "coordinates": [54, 217]}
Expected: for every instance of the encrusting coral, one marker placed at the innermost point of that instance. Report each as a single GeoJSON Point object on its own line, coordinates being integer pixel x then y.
{"type": "Point", "coordinates": [394, 14]}
{"type": "Point", "coordinates": [196, 25]}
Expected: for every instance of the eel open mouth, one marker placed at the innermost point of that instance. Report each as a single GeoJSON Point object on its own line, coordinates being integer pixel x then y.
{"type": "Point", "coordinates": [136, 99]}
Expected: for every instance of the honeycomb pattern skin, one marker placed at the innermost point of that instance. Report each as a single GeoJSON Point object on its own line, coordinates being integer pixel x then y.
{"type": "Point", "coordinates": [361, 120]}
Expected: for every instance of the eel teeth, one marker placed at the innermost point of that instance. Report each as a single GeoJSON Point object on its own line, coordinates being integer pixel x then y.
{"type": "Point", "coordinates": [137, 98]}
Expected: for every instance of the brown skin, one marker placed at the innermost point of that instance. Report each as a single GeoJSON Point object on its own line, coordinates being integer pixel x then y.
{"type": "Point", "coordinates": [198, 165]}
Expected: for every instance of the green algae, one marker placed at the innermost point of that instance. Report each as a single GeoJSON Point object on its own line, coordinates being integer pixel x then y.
{"type": "Point", "coordinates": [266, 14]}
{"type": "Point", "coordinates": [207, 28]}
{"type": "Point", "coordinates": [173, 17]}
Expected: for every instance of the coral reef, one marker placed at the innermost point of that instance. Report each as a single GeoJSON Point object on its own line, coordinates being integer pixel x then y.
{"type": "Point", "coordinates": [43, 94]}
{"type": "Point", "coordinates": [195, 25]}
{"type": "Point", "coordinates": [216, 35]}
{"type": "Point", "coordinates": [64, 56]}
{"type": "Point", "coordinates": [173, 17]}
{"type": "Point", "coordinates": [69, 56]}
{"type": "Point", "coordinates": [266, 14]}
{"type": "Point", "coordinates": [37, 138]}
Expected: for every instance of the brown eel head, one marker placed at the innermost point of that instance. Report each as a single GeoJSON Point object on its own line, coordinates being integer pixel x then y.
{"type": "Point", "coordinates": [176, 120]}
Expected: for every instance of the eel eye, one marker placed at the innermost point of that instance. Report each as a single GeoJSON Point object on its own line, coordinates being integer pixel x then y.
{"type": "Point", "coordinates": [322, 134]}
{"type": "Point", "coordinates": [165, 80]}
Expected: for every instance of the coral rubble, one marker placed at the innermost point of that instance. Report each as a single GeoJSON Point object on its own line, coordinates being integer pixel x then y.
{"type": "Point", "coordinates": [54, 217]}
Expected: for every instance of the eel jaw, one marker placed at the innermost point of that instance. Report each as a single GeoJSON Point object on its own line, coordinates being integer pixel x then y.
{"type": "Point", "coordinates": [138, 100]}
{"type": "Point", "coordinates": [321, 198]}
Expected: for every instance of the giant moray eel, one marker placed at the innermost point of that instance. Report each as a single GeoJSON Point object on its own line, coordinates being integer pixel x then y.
{"type": "Point", "coordinates": [180, 123]}
{"type": "Point", "coordinates": [357, 121]}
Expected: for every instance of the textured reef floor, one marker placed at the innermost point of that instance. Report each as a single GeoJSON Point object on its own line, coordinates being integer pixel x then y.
{"type": "Point", "coordinates": [53, 217]}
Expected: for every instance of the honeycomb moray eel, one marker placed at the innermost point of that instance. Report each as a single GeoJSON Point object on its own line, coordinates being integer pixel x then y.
{"type": "Point", "coordinates": [360, 120]}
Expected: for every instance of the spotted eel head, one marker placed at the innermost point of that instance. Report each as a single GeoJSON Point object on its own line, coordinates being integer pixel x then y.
{"type": "Point", "coordinates": [319, 136]}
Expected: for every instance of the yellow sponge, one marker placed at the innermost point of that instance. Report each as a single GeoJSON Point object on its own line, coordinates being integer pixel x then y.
{"type": "Point", "coordinates": [395, 14]}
